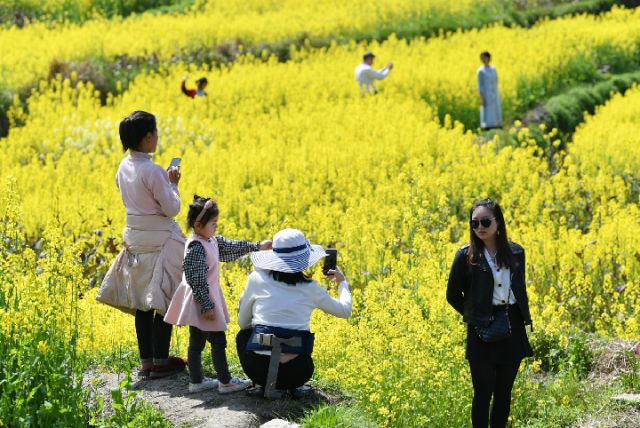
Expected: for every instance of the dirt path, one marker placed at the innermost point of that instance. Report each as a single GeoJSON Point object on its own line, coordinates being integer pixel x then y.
{"type": "Point", "coordinates": [612, 359]}
{"type": "Point", "coordinates": [207, 409]}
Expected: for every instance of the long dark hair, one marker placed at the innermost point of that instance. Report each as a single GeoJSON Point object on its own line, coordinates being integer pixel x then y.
{"type": "Point", "coordinates": [504, 256]}
{"type": "Point", "coordinates": [289, 278]}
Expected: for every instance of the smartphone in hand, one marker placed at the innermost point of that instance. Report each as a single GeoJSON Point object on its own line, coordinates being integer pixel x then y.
{"type": "Point", "coordinates": [330, 262]}
{"type": "Point", "coordinates": [175, 162]}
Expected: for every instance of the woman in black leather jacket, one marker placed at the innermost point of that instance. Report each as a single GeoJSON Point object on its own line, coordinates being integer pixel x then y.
{"type": "Point", "coordinates": [487, 276]}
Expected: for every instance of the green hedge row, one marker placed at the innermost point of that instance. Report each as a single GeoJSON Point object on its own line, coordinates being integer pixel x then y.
{"type": "Point", "coordinates": [566, 111]}
{"type": "Point", "coordinates": [20, 12]}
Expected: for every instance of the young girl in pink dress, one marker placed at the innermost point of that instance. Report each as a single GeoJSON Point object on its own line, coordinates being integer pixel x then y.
{"type": "Point", "coordinates": [199, 303]}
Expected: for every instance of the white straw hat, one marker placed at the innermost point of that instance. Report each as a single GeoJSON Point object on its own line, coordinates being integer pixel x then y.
{"type": "Point", "coordinates": [291, 253]}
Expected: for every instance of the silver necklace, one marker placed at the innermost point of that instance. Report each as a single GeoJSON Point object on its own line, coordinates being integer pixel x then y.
{"type": "Point", "coordinates": [493, 259]}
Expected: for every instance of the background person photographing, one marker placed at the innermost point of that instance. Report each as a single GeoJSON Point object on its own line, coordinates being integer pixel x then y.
{"type": "Point", "coordinates": [366, 75]}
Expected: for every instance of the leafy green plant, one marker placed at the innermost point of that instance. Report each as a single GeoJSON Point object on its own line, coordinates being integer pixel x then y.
{"type": "Point", "coordinates": [338, 416]}
{"type": "Point", "coordinates": [563, 353]}
{"type": "Point", "coordinates": [630, 380]}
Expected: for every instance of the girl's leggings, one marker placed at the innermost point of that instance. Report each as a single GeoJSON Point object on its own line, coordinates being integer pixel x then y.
{"type": "Point", "coordinates": [197, 341]}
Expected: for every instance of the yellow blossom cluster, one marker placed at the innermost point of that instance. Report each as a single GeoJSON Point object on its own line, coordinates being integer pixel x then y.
{"type": "Point", "coordinates": [607, 143]}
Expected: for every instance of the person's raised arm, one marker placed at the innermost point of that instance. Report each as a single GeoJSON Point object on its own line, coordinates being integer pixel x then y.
{"type": "Point", "coordinates": [188, 92]}
{"type": "Point", "coordinates": [378, 74]}
{"type": "Point", "coordinates": [231, 249]}
{"type": "Point", "coordinates": [164, 188]}
{"type": "Point", "coordinates": [342, 306]}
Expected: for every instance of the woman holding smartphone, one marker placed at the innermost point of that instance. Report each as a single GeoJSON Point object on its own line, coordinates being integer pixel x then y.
{"type": "Point", "coordinates": [279, 299]}
{"type": "Point", "coordinates": [486, 284]}
{"type": "Point", "coordinates": [147, 271]}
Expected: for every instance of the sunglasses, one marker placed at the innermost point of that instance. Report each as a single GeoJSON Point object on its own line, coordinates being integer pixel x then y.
{"type": "Point", "coordinates": [485, 222]}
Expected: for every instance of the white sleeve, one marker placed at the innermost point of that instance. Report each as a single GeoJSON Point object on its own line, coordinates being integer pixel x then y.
{"type": "Point", "coordinates": [340, 307]}
{"type": "Point", "coordinates": [245, 305]}
{"type": "Point", "coordinates": [163, 191]}
{"type": "Point", "coordinates": [378, 75]}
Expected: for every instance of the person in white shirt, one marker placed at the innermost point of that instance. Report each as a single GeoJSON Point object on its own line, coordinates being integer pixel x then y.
{"type": "Point", "coordinates": [366, 75]}
{"type": "Point", "coordinates": [280, 298]}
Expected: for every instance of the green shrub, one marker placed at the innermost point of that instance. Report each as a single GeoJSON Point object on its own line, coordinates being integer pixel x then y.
{"type": "Point", "coordinates": [566, 111]}
{"type": "Point", "coordinates": [558, 353]}
{"type": "Point", "coordinates": [338, 416]}
{"type": "Point", "coordinates": [20, 12]}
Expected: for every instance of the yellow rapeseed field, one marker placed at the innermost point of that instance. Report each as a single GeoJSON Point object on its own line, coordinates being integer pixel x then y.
{"type": "Point", "coordinates": [380, 178]}
{"type": "Point", "coordinates": [607, 143]}
{"type": "Point", "coordinates": [209, 24]}
{"type": "Point", "coordinates": [377, 177]}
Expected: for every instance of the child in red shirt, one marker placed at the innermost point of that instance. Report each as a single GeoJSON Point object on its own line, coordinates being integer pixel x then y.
{"type": "Point", "coordinates": [199, 92]}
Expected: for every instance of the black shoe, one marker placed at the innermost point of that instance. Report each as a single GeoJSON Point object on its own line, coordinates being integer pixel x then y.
{"type": "Point", "coordinates": [301, 392]}
{"type": "Point", "coordinates": [256, 391]}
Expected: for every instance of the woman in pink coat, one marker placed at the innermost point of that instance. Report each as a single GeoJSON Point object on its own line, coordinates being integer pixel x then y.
{"type": "Point", "coordinates": [147, 271]}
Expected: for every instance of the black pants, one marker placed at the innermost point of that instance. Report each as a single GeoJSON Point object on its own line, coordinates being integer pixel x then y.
{"type": "Point", "coordinates": [154, 335]}
{"type": "Point", "coordinates": [291, 375]}
{"type": "Point", "coordinates": [492, 380]}
{"type": "Point", "coordinates": [197, 341]}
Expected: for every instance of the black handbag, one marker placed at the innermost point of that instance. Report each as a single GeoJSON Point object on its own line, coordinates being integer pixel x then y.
{"type": "Point", "coordinates": [499, 327]}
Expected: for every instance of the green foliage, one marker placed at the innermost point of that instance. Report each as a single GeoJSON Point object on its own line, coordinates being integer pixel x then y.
{"type": "Point", "coordinates": [40, 373]}
{"type": "Point", "coordinates": [528, 12]}
{"type": "Point", "coordinates": [630, 379]}
{"type": "Point", "coordinates": [41, 369]}
{"type": "Point", "coordinates": [40, 381]}
{"type": "Point", "coordinates": [128, 410]}
{"type": "Point", "coordinates": [554, 402]}
{"type": "Point", "coordinates": [337, 416]}
{"type": "Point", "coordinates": [20, 12]}
{"type": "Point", "coordinates": [5, 103]}
{"type": "Point", "coordinates": [566, 111]}
{"type": "Point", "coordinates": [560, 353]}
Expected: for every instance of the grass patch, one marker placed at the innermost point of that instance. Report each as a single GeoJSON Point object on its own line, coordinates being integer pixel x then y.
{"type": "Point", "coordinates": [337, 416]}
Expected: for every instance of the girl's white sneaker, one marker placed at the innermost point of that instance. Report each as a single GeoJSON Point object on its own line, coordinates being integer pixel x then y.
{"type": "Point", "coordinates": [234, 385]}
{"type": "Point", "coordinates": [206, 384]}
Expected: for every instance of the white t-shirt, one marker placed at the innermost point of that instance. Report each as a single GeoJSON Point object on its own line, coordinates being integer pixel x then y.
{"type": "Point", "coordinates": [366, 75]}
{"type": "Point", "coordinates": [266, 301]}
{"type": "Point", "coordinates": [501, 283]}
